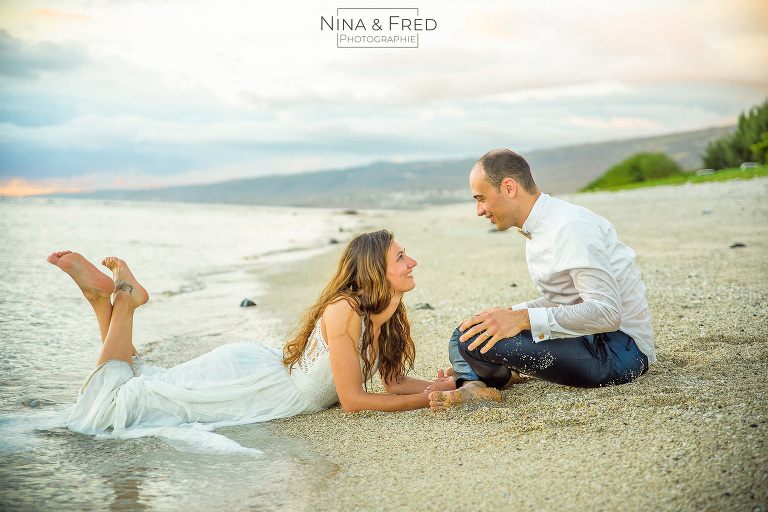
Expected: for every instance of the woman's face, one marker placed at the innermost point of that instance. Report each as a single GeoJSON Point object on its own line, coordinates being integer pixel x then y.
{"type": "Point", "coordinates": [399, 268]}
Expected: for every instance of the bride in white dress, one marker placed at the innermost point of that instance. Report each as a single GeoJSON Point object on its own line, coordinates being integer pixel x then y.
{"type": "Point", "coordinates": [357, 327]}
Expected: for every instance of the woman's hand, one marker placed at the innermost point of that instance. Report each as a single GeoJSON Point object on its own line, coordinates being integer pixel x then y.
{"type": "Point", "coordinates": [445, 381]}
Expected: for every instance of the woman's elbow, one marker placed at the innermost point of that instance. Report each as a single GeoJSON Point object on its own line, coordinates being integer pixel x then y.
{"type": "Point", "coordinates": [354, 408]}
{"type": "Point", "coordinates": [352, 405]}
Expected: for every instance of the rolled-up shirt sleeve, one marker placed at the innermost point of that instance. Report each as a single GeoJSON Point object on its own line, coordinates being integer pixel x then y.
{"type": "Point", "coordinates": [598, 311]}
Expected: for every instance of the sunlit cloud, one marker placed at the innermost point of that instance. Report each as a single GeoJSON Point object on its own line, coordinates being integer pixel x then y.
{"type": "Point", "coordinates": [19, 187]}
{"type": "Point", "coordinates": [62, 15]}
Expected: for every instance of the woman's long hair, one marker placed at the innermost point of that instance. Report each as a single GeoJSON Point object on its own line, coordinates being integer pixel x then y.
{"type": "Point", "coordinates": [361, 279]}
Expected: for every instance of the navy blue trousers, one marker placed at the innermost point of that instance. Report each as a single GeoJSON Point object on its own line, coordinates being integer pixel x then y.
{"type": "Point", "coordinates": [586, 361]}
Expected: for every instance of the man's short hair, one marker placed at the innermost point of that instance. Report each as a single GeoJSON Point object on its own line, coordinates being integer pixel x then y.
{"type": "Point", "coordinates": [500, 164]}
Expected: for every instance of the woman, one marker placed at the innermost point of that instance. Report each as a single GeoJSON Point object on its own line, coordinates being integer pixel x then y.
{"type": "Point", "coordinates": [357, 326]}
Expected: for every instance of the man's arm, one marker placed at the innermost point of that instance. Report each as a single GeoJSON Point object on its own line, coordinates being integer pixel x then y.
{"type": "Point", "coordinates": [584, 260]}
{"type": "Point", "coordinates": [598, 309]}
{"type": "Point", "coordinates": [541, 302]}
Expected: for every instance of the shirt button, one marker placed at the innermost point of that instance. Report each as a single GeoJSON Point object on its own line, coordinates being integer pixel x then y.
{"type": "Point", "coordinates": [541, 336]}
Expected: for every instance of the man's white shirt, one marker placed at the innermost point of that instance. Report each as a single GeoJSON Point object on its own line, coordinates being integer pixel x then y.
{"type": "Point", "coordinates": [587, 278]}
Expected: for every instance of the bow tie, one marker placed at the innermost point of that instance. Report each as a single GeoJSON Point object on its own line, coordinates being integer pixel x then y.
{"type": "Point", "coordinates": [526, 235]}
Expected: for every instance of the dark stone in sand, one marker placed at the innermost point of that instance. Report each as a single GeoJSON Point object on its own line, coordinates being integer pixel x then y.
{"type": "Point", "coordinates": [423, 305]}
{"type": "Point", "coordinates": [332, 241]}
{"type": "Point", "coordinates": [247, 303]}
{"type": "Point", "coordinates": [737, 245]}
{"type": "Point", "coordinates": [33, 402]}
{"type": "Point", "coordinates": [350, 212]}
{"type": "Point", "coordinates": [513, 285]}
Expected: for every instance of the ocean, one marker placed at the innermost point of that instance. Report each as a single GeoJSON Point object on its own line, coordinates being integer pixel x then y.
{"type": "Point", "coordinates": [197, 262]}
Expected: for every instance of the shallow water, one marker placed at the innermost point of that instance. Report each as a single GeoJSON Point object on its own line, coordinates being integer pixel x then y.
{"type": "Point", "coordinates": [197, 262]}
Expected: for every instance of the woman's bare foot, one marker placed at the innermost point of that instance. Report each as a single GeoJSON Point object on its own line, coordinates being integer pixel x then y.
{"type": "Point", "coordinates": [125, 284]}
{"type": "Point", "coordinates": [94, 283]}
{"type": "Point", "coordinates": [469, 393]}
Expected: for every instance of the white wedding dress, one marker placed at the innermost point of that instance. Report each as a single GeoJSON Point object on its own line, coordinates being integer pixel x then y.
{"type": "Point", "coordinates": [231, 385]}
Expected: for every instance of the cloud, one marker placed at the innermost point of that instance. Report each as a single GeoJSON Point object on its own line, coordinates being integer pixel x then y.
{"type": "Point", "coordinates": [61, 15]}
{"type": "Point", "coordinates": [646, 41]}
{"type": "Point", "coordinates": [30, 61]}
{"type": "Point", "coordinates": [162, 92]}
{"type": "Point", "coordinates": [614, 123]}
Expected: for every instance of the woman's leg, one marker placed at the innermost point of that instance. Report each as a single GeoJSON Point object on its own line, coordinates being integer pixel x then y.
{"type": "Point", "coordinates": [96, 286]}
{"type": "Point", "coordinates": [129, 295]}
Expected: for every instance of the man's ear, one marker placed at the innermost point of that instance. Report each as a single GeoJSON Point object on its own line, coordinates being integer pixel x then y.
{"type": "Point", "coordinates": [509, 187]}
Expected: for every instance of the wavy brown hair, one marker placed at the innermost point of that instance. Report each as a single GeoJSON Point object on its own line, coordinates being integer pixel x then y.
{"type": "Point", "coordinates": [361, 279]}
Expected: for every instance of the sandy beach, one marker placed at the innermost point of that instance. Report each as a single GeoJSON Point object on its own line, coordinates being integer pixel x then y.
{"type": "Point", "coordinates": [689, 435]}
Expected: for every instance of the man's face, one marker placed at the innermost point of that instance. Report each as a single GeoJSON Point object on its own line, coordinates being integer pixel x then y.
{"type": "Point", "coordinates": [492, 203]}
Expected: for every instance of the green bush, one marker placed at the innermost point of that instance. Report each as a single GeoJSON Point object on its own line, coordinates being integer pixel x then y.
{"type": "Point", "coordinates": [635, 169]}
{"type": "Point", "coordinates": [743, 145]}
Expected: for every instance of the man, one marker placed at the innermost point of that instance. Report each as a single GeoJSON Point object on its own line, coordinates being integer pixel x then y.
{"type": "Point", "coordinates": [591, 327]}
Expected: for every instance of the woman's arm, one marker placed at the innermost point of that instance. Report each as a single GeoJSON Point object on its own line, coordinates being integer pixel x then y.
{"type": "Point", "coordinates": [343, 330]}
{"type": "Point", "coordinates": [409, 385]}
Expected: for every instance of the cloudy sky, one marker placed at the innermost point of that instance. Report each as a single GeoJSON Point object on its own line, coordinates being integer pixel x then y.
{"type": "Point", "coordinates": [145, 93]}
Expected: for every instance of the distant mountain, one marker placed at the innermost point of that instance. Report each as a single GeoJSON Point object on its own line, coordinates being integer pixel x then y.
{"type": "Point", "coordinates": [414, 184]}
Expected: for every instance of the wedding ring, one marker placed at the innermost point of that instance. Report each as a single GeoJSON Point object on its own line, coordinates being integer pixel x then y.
{"type": "Point", "coordinates": [487, 334]}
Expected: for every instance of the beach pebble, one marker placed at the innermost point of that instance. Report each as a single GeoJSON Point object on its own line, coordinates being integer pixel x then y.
{"type": "Point", "coordinates": [246, 303]}
{"type": "Point", "coordinates": [423, 305]}
{"type": "Point", "coordinates": [33, 402]}
{"type": "Point", "coordinates": [737, 245]}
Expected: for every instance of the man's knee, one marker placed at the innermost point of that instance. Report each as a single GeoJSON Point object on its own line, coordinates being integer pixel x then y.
{"type": "Point", "coordinates": [456, 335]}
{"type": "Point", "coordinates": [463, 346]}
{"type": "Point", "coordinates": [454, 352]}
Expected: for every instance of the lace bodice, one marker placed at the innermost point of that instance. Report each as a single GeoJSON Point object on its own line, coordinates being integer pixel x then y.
{"type": "Point", "coordinates": [312, 374]}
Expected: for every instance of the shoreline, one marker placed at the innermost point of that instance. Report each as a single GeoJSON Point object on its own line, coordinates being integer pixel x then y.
{"type": "Point", "coordinates": [687, 435]}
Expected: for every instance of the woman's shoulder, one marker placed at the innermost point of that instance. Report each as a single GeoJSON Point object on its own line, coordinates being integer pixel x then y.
{"type": "Point", "coordinates": [343, 305]}
{"type": "Point", "coordinates": [342, 317]}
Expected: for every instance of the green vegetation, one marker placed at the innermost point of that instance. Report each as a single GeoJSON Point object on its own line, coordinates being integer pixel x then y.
{"type": "Point", "coordinates": [638, 168]}
{"type": "Point", "coordinates": [686, 177]}
{"type": "Point", "coordinates": [749, 143]}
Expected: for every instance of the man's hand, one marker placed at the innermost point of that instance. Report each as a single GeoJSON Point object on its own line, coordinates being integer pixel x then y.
{"type": "Point", "coordinates": [494, 324]}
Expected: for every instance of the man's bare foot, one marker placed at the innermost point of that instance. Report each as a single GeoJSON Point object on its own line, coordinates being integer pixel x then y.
{"type": "Point", "coordinates": [469, 393]}
{"type": "Point", "coordinates": [94, 283]}
{"type": "Point", "coordinates": [515, 378]}
{"type": "Point", "coordinates": [125, 284]}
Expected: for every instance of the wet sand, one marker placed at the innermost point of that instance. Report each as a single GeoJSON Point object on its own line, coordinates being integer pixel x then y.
{"type": "Point", "coordinates": [689, 435]}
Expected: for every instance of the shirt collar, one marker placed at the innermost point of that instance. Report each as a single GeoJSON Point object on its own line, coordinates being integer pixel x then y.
{"type": "Point", "coordinates": [533, 218]}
